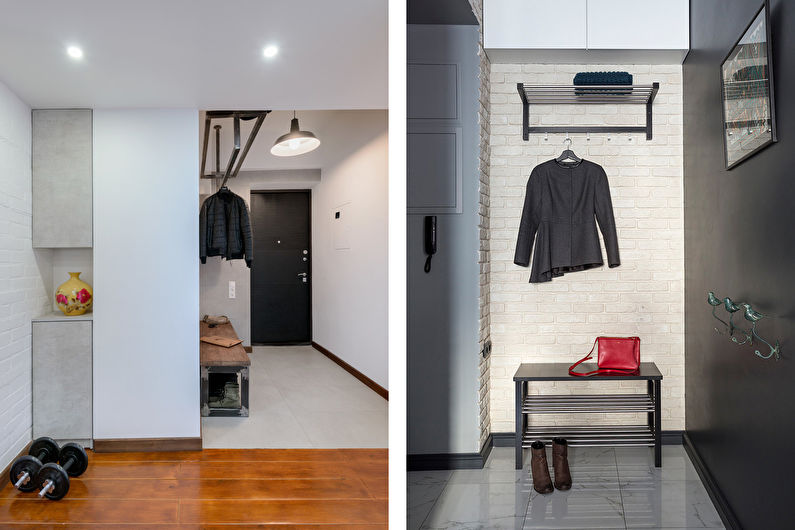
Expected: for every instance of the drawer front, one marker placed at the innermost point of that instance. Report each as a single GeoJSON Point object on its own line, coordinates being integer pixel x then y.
{"type": "Point", "coordinates": [62, 380]}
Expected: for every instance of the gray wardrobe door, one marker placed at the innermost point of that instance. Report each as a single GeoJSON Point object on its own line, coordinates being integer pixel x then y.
{"type": "Point", "coordinates": [62, 377]}
{"type": "Point", "coordinates": [62, 178]}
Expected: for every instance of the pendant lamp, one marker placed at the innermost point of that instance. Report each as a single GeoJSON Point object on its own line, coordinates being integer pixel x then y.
{"type": "Point", "coordinates": [296, 142]}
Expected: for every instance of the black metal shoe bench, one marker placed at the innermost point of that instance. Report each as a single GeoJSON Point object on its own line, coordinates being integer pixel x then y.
{"type": "Point", "coordinates": [215, 360]}
{"type": "Point", "coordinates": [527, 404]}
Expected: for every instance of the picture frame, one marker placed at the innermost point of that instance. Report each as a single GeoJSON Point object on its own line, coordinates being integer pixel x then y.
{"type": "Point", "coordinates": [747, 96]}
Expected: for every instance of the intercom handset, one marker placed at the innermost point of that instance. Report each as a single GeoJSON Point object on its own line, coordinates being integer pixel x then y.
{"type": "Point", "coordinates": [430, 240]}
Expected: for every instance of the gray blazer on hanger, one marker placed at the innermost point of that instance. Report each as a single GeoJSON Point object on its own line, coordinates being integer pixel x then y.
{"type": "Point", "coordinates": [562, 206]}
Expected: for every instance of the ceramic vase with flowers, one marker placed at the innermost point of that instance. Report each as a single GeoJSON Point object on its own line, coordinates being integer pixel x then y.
{"type": "Point", "coordinates": [74, 296]}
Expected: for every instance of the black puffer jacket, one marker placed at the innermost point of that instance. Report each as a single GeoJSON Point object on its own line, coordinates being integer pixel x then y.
{"type": "Point", "coordinates": [224, 227]}
{"type": "Point", "coordinates": [562, 205]}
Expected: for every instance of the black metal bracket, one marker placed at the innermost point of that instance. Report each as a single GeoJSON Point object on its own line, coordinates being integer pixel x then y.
{"type": "Point", "coordinates": [588, 95]}
{"type": "Point", "coordinates": [236, 115]}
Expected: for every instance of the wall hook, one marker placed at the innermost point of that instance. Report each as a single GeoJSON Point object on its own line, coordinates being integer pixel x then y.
{"type": "Point", "coordinates": [715, 302]}
{"type": "Point", "coordinates": [751, 315]}
{"type": "Point", "coordinates": [732, 308]}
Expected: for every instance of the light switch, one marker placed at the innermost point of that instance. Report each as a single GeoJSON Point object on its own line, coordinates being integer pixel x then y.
{"type": "Point", "coordinates": [231, 288]}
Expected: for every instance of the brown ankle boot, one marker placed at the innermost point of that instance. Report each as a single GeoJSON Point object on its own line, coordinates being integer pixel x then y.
{"type": "Point", "coordinates": [539, 468]}
{"type": "Point", "coordinates": [560, 463]}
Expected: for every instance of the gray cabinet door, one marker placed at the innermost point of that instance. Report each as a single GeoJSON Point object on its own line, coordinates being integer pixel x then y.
{"type": "Point", "coordinates": [62, 178]}
{"type": "Point", "coordinates": [62, 377]}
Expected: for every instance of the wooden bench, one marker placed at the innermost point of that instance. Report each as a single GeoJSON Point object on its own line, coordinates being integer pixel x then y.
{"type": "Point", "coordinates": [219, 360]}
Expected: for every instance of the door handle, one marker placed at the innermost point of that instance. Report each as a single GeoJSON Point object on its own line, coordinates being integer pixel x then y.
{"type": "Point", "coordinates": [302, 274]}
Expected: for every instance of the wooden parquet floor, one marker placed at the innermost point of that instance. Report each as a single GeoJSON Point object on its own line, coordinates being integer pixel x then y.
{"type": "Point", "coordinates": [281, 488]}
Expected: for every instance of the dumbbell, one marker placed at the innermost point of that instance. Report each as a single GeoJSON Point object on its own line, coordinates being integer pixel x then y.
{"type": "Point", "coordinates": [54, 479]}
{"type": "Point", "coordinates": [42, 451]}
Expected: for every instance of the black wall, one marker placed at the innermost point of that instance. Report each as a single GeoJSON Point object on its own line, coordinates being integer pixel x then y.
{"type": "Point", "coordinates": [740, 242]}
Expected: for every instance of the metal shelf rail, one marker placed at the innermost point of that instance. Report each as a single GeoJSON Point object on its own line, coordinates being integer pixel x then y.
{"type": "Point", "coordinates": [588, 95]}
{"type": "Point", "coordinates": [527, 404]}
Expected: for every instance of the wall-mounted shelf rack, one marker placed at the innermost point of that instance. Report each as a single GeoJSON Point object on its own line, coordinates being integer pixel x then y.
{"type": "Point", "coordinates": [236, 115]}
{"type": "Point", "coordinates": [586, 95]}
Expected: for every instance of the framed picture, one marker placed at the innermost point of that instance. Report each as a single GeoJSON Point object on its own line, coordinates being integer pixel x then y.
{"type": "Point", "coordinates": [749, 117]}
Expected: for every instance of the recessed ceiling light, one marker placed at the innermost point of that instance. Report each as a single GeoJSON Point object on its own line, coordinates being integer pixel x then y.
{"type": "Point", "coordinates": [74, 52]}
{"type": "Point", "coordinates": [270, 51]}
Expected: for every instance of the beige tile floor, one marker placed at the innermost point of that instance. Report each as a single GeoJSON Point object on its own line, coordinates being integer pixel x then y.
{"type": "Point", "coordinates": [298, 398]}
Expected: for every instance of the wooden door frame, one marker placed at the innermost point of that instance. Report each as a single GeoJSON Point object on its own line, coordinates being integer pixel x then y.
{"type": "Point", "coordinates": [308, 192]}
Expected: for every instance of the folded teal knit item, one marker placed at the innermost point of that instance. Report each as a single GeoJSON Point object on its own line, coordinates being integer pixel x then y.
{"type": "Point", "coordinates": [603, 78]}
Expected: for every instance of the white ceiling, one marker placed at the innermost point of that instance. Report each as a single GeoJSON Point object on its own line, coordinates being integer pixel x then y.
{"type": "Point", "coordinates": [204, 54]}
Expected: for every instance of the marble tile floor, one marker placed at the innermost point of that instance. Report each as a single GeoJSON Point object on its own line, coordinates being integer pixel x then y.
{"type": "Point", "coordinates": [613, 488]}
{"type": "Point", "coordinates": [299, 398]}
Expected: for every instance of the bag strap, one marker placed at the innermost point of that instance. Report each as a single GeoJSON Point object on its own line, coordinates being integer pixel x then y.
{"type": "Point", "coordinates": [600, 370]}
{"type": "Point", "coordinates": [573, 366]}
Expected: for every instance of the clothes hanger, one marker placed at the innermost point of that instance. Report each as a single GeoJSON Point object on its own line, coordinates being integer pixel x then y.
{"type": "Point", "coordinates": [568, 155]}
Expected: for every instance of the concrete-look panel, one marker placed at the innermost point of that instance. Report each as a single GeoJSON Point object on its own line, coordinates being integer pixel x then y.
{"type": "Point", "coordinates": [62, 180]}
{"type": "Point", "coordinates": [62, 380]}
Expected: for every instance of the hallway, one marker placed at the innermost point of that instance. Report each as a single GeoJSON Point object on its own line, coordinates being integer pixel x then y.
{"type": "Point", "coordinates": [301, 399]}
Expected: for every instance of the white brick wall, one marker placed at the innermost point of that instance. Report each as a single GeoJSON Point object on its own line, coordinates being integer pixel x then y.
{"type": "Point", "coordinates": [484, 250]}
{"type": "Point", "coordinates": [558, 321]}
{"type": "Point", "coordinates": [484, 120]}
{"type": "Point", "coordinates": [22, 292]}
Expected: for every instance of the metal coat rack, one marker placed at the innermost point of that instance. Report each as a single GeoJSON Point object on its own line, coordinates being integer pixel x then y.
{"type": "Point", "coordinates": [751, 315]}
{"type": "Point", "coordinates": [588, 95]}
{"type": "Point", "coordinates": [231, 169]}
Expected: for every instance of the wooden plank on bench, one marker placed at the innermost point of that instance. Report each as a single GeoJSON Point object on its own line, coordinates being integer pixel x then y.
{"type": "Point", "coordinates": [212, 355]}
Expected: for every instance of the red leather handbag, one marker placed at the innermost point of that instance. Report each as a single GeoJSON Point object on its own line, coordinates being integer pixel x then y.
{"type": "Point", "coordinates": [616, 355]}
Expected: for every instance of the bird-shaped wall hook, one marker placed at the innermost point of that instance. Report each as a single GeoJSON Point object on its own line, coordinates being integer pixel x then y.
{"type": "Point", "coordinates": [714, 301]}
{"type": "Point", "coordinates": [732, 308]}
{"type": "Point", "coordinates": [753, 317]}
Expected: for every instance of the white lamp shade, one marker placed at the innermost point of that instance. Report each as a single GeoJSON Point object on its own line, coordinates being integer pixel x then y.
{"type": "Point", "coordinates": [296, 142]}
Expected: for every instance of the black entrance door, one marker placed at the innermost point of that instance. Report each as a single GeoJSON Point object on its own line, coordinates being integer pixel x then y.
{"type": "Point", "coordinates": [281, 273]}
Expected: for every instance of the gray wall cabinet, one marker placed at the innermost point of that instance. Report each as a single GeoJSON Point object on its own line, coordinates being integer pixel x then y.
{"type": "Point", "coordinates": [62, 379]}
{"type": "Point", "coordinates": [443, 310]}
{"type": "Point", "coordinates": [62, 178]}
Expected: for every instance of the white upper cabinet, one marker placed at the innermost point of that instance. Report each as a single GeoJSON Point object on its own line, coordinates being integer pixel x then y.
{"type": "Point", "coordinates": [534, 24]}
{"type": "Point", "coordinates": [638, 25]}
{"type": "Point", "coordinates": [586, 31]}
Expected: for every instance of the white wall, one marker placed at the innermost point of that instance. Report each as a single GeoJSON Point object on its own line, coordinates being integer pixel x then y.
{"type": "Point", "coordinates": [558, 321]}
{"type": "Point", "coordinates": [349, 290]}
{"type": "Point", "coordinates": [146, 274]}
{"type": "Point", "coordinates": [349, 287]}
{"type": "Point", "coordinates": [22, 291]}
